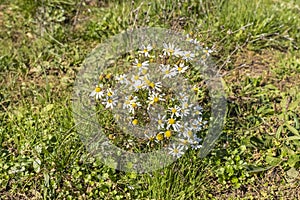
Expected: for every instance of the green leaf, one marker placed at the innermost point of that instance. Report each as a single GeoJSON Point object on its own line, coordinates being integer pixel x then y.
{"type": "Point", "coordinates": [279, 131]}
{"type": "Point", "coordinates": [294, 105]}
{"type": "Point", "coordinates": [292, 129]}
{"type": "Point", "coordinates": [293, 159]}
{"type": "Point", "coordinates": [273, 161]}
{"type": "Point", "coordinates": [295, 137]}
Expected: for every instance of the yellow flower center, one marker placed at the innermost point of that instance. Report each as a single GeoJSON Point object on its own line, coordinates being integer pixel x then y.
{"type": "Point", "coordinates": [109, 94]}
{"type": "Point", "coordinates": [110, 100]}
{"type": "Point", "coordinates": [98, 89]}
{"type": "Point", "coordinates": [190, 133]}
{"type": "Point", "coordinates": [171, 51]}
{"type": "Point", "coordinates": [171, 121]}
{"type": "Point", "coordinates": [179, 68]}
{"type": "Point", "coordinates": [168, 134]}
{"type": "Point", "coordinates": [187, 55]}
{"type": "Point", "coordinates": [159, 137]}
{"type": "Point", "coordinates": [176, 151]}
{"type": "Point", "coordinates": [145, 50]}
{"type": "Point", "coordinates": [139, 64]}
{"type": "Point", "coordinates": [174, 110]}
{"type": "Point", "coordinates": [152, 85]}
{"type": "Point", "coordinates": [167, 71]}
{"type": "Point", "coordinates": [134, 105]}
{"type": "Point", "coordinates": [135, 122]}
{"type": "Point", "coordinates": [156, 99]}
{"type": "Point", "coordinates": [159, 121]}
{"type": "Point", "coordinates": [108, 76]}
{"type": "Point", "coordinates": [136, 77]}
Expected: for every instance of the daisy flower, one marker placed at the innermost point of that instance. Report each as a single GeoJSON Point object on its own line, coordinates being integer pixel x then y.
{"type": "Point", "coordinates": [197, 110]}
{"type": "Point", "coordinates": [187, 55]}
{"type": "Point", "coordinates": [174, 124]}
{"type": "Point", "coordinates": [145, 50]}
{"type": "Point", "coordinates": [188, 132]}
{"type": "Point", "coordinates": [185, 108]}
{"type": "Point", "coordinates": [160, 121]}
{"type": "Point", "coordinates": [155, 98]}
{"type": "Point", "coordinates": [140, 65]}
{"type": "Point", "coordinates": [153, 86]}
{"type": "Point", "coordinates": [176, 151]}
{"type": "Point", "coordinates": [110, 92]}
{"type": "Point", "coordinates": [168, 73]}
{"type": "Point", "coordinates": [122, 79]}
{"type": "Point", "coordinates": [98, 92]}
{"type": "Point", "coordinates": [128, 100]}
{"type": "Point", "coordinates": [195, 144]}
{"type": "Point", "coordinates": [137, 85]}
{"type": "Point", "coordinates": [110, 102]}
{"type": "Point", "coordinates": [134, 104]}
{"type": "Point", "coordinates": [186, 142]}
{"type": "Point", "coordinates": [191, 40]}
{"type": "Point", "coordinates": [169, 49]}
{"type": "Point", "coordinates": [198, 123]}
{"type": "Point", "coordinates": [207, 51]}
{"type": "Point", "coordinates": [175, 111]}
{"type": "Point", "coordinates": [181, 68]}
{"type": "Point", "coordinates": [150, 138]}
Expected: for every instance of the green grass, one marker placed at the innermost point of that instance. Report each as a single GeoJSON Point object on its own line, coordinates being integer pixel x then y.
{"type": "Point", "coordinates": [256, 48]}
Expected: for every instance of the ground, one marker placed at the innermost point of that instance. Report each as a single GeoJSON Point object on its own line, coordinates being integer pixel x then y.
{"type": "Point", "coordinates": [255, 47]}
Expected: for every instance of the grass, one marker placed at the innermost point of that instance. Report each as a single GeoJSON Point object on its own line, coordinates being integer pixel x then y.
{"type": "Point", "coordinates": [256, 48]}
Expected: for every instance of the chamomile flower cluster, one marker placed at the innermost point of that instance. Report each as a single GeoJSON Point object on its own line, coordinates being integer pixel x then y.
{"type": "Point", "coordinates": [176, 118]}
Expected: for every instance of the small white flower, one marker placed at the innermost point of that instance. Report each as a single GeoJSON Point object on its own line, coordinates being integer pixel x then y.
{"type": "Point", "coordinates": [155, 98]}
{"type": "Point", "coordinates": [122, 79]}
{"type": "Point", "coordinates": [187, 55]}
{"type": "Point", "coordinates": [110, 93]}
{"type": "Point", "coordinates": [174, 124]}
{"type": "Point", "coordinates": [197, 111]}
{"type": "Point", "coordinates": [134, 104]}
{"type": "Point", "coordinates": [168, 73]}
{"type": "Point", "coordinates": [191, 40]}
{"type": "Point", "coordinates": [160, 121]}
{"type": "Point", "coordinates": [207, 51]}
{"type": "Point", "coordinates": [150, 85]}
{"type": "Point", "coordinates": [175, 111]}
{"type": "Point", "coordinates": [198, 123]}
{"type": "Point", "coordinates": [110, 102]}
{"type": "Point", "coordinates": [145, 50]}
{"type": "Point", "coordinates": [138, 84]}
{"type": "Point", "coordinates": [181, 68]}
{"type": "Point", "coordinates": [169, 49]}
{"type": "Point", "coordinates": [186, 142]}
{"type": "Point", "coordinates": [140, 65]}
{"type": "Point", "coordinates": [185, 108]}
{"type": "Point", "coordinates": [127, 102]}
{"type": "Point", "coordinates": [195, 144]}
{"type": "Point", "coordinates": [188, 132]}
{"type": "Point", "coordinates": [98, 92]}
{"type": "Point", "coordinates": [176, 150]}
